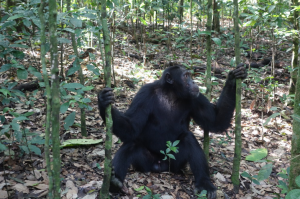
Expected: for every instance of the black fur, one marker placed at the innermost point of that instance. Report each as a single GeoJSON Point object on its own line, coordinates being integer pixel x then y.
{"type": "Point", "coordinates": [161, 111]}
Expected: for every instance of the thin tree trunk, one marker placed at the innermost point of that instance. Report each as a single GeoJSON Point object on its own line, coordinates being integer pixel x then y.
{"type": "Point", "coordinates": [81, 78]}
{"type": "Point", "coordinates": [238, 140]}
{"type": "Point", "coordinates": [48, 93]}
{"type": "Point", "coordinates": [295, 151]}
{"type": "Point", "coordinates": [112, 48]}
{"type": "Point", "coordinates": [216, 18]}
{"type": "Point", "coordinates": [191, 45]}
{"type": "Point", "coordinates": [104, 192]}
{"type": "Point", "coordinates": [180, 9]}
{"type": "Point", "coordinates": [208, 71]}
{"type": "Point", "coordinates": [295, 63]}
{"type": "Point", "coordinates": [55, 98]}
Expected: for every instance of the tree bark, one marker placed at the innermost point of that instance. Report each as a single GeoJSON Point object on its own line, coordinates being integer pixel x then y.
{"type": "Point", "coordinates": [295, 64]}
{"type": "Point", "coordinates": [208, 71]}
{"type": "Point", "coordinates": [104, 192]}
{"type": "Point", "coordinates": [55, 98]}
{"type": "Point", "coordinates": [295, 151]}
{"type": "Point", "coordinates": [238, 140]}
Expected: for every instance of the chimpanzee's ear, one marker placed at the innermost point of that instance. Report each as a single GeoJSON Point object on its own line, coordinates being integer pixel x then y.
{"type": "Point", "coordinates": [169, 79]}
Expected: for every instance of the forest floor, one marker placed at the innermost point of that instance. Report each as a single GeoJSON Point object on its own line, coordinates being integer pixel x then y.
{"type": "Point", "coordinates": [81, 174]}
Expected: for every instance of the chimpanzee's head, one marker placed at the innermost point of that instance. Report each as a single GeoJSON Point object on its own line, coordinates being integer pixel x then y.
{"type": "Point", "coordinates": [179, 80]}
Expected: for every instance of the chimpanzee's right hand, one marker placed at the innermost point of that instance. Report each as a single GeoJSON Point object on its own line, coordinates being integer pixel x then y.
{"type": "Point", "coordinates": [106, 97]}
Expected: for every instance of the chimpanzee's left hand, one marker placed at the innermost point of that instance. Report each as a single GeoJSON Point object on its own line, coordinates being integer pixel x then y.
{"type": "Point", "coordinates": [239, 72]}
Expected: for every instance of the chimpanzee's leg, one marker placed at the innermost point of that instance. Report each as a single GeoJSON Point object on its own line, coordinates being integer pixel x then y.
{"type": "Point", "coordinates": [190, 151]}
{"type": "Point", "coordinates": [134, 154]}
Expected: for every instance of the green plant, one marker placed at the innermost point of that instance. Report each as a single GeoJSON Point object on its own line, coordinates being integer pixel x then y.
{"type": "Point", "coordinates": [171, 147]}
{"type": "Point", "coordinates": [293, 194]}
{"type": "Point", "coordinates": [264, 172]}
{"type": "Point", "coordinates": [15, 133]}
{"type": "Point", "coordinates": [150, 194]}
{"type": "Point", "coordinates": [283, 183]}
{"type": "Point", "coordinates": [77, 89]}
{"type": "Point", "coordinates": [202, 195]}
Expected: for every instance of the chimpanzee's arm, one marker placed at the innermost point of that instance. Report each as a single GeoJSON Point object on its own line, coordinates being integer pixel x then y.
{"type": "Point", "coordinates": [127, 126]}
{"type": "Point", "coordinates": [217, 118]}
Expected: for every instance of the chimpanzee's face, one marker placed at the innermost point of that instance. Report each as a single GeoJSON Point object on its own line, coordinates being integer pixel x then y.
{"type": "Point", "coordinates": [188, 84]}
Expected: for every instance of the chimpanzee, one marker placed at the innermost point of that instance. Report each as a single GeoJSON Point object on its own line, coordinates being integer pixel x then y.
{"type": "Point", "coordinates": [161, 111]}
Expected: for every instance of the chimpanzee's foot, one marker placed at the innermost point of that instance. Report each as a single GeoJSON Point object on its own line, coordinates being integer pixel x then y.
{"type": "Point", "coordinates": [115, 184]}
{"type": "Point", "coordinates": [209, 187]}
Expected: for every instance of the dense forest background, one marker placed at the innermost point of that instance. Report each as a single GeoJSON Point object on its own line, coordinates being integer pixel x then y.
{"type": "Point", "coordinates": [53, 56]}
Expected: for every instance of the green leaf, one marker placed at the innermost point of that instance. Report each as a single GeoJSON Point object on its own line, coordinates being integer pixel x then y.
{"type": "Point", "coordinates": [27, 23]}
{"type": "Point", "coordinates": [169, 143]}
{"type": "Point", "coordinates": [37, 22]}
{"type": "Point", "coordinates": [88, 88]}
{"type": "Point", "coordinates": [69, 30]}
{"type": "Point", "coordinates": [5, 67]}
{"type": "Point", "coordinates": [25, 149]}
{"type": "Point", "coordinates": [143, 21]}
{"type": "Point", "coordinates": [257, 154]}
{"type": "Point", "coordinates": [2, 147]}
{"type": "Point", "coordinates": [14, 17]}
{"type": "Point", "coordinates": [69, 121]}
{"type": "Point", "coordinates": [76, 22]}
{"type": "Point", "coordinates": [171, 156]}
{"type": "Point", "coordinates": [271, 8]}
{"type": "Point", "coordinates": [18, 46]}
{"type": "Point", "coordinates": [217, 41]}
{"type": "Point", "coordinates": [64, 107]}
{"type": "Point", "coordinates": [283, 186]}
{"type": "Point", "coordinates": [273, 108]}
{"type": "Point", "coordinates": [93, 69]}
{"type": "Point", "coordinates": [79, 142]}
{"type": "Point", "coordinates": [294, 194]}
{"type": "Point", "coordinates": [176, 142]}
{"type": "Point", "coordinates": [298, 180]}
{"type": "Point", "coordinates": [22, 74]}
{"type": "Point", "coordinates": [284, 176]}
{"type": "Point", "coordinates": [18, 54]}
{"type": "Point", "coordinates": [255, 181]}
{"type": "Point", "coordinates": [139, 189]}
{"type": "Point", "coordinates": [73, 85]}
{"type": "Point", "coordinates": [37, 140]}
{"type": "Point", "coordinates": [35, 149]}
{"type": "Point", "coordinates": [89, 15]}
{"type": "Point", "coordinates": [264, 172]}
{"type": "Point", "coordinates": [72, 70]}
{"type": "Point", "coordinates": [15, 126]}
{"type": "Point", "coordinates": [148, 189]}
{"type": "Point", "coordinates": [8, 23]}
{"type": "Point", "coordinates": [168, 150]}
{"type": "Point", "coordinates": [269, 118]}
{"type": "Point", "coordinates": [2, 119]}
{"type": "Point", "coordinates": [5, 92]}
{"type": "Point", "coordinates": [204, 32]}
{"type": "Point", "coordinates": [86, 100]}
{"type": "Point", "coordinates": [5, 109]}
{"type": "Point", "coordinates": [32, 2]}
{"type": "Point", "coordinates": [156, 196]}
{"type": "Point", "coordinates": [20, 118]}
{"type": "Point", "coordinates": [161, 151]}
{"type": "Point", "coordinates": [28, 114]}
{"type": "Point", "coordinates": [246, 175]}
{"type": "Point", "coordinates": [63, 40]}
